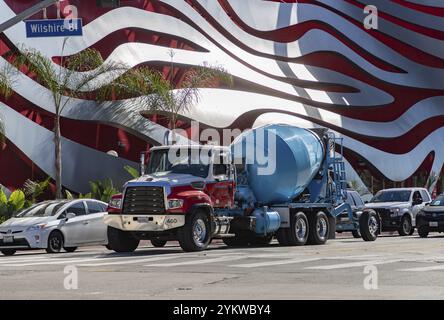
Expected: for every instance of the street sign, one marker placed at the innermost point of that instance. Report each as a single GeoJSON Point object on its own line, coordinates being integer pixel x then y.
{"type": "Point", "coordinates": [53, 28]}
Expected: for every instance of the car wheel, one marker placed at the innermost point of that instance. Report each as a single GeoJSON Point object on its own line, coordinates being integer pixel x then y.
{"type": "Point", "coordinates": [318, 229]}
{"type": "Point", "coordinates": [120, 241]}
{"type": "Point", "coordinates": [55, 242]}
{"type": "Point", "coordinates": [369, 225]}
{"type": "Point", "coordinates": [70, 249]}
{"type": "Point", "coordinates": [406, 226]}
{"type": "Point", "coordinates": [356, 234]}
{"type": "Point", "coordinates": [298, 232]}
{"type": "Point", "coordinates": [423, 231]}
{"type": "Point", "coordinates": [195, 235]}
{"type": "Point", "coordinates": [158, 243]}
{"type": "Point", "coordinates": [8, 252]}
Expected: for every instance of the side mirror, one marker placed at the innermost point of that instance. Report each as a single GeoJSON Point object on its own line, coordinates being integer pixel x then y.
{"type": "Point", "coordinates": [70, 215]}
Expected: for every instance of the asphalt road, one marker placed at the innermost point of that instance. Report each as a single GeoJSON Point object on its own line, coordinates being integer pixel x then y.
{"type": "Point", "coordinates": [400, 268]}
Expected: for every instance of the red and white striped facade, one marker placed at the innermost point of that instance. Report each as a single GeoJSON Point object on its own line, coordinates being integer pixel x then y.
{"type": "Point", "coordinates": [309, 62]}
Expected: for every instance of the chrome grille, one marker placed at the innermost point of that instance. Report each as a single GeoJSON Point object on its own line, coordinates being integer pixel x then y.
{"type": "Point", "coordinates": [144, 200]}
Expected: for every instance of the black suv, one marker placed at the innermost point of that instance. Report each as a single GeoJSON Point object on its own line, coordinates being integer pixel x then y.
{"type": "Point", "coordinates": [431, 217]}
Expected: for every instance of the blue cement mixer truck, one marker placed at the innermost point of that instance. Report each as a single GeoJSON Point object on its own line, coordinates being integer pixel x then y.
{"type": "Point", "coordinates": [275, 181]}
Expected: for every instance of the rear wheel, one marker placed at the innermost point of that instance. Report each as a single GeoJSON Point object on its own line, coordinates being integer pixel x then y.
{"type": "Point", "coordinates": [318, 229]}
{"type": "Point", "coordinates": [195, 234]}
{"type": "Point", "coordinates": [8, 252]}
{"type": "Point", "coordinates": [70, 249]}
{"type": "Point", "coordinates": [120, 241]}
{"type": "Point", "coordinates": [423, 231]}
{"type": "Point", "coordinates": [298, 233]}
{"type": "Point", "coordinates": [406, 226]}
{"type": "Point", "coordinates": [158, 243]}
{"type": "Point", "coordinates": [55, 242]}
{"type": "Point", "coordinates": [356, 234]}
{"type": "Point", "coordinates": [369, 225]}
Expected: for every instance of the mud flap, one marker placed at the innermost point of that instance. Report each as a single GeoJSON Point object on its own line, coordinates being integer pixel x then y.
{"type": "Point", "coordinates": [332, 227]}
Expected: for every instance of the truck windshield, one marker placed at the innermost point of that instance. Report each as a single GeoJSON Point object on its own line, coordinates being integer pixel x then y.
{"type": "Point", "coordinates": [392, 196]}
{"type": "Point", "coordinates": [438, 202]}
{"type": "Point", "coordinates": [179, 160]}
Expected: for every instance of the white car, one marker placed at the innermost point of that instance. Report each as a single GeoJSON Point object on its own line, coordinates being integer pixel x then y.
{"type": "Point", "coordinates": [55, 225]}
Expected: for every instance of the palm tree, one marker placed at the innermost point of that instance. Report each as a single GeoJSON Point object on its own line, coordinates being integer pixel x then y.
{"type": "Point", "coordinates": [6, 82]}
{"type": "Point", "coordinates": [171, 101]}
{"type": "Point", "coordinates": [74, 77]}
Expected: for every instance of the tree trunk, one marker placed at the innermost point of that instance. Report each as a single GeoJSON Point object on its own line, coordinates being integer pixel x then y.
{"type": "Point", "coordinates": [58, 157]}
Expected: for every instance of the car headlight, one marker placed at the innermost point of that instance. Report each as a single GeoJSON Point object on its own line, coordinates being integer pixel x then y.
{"type": "Point", "coordinates": [394, 212]}
{"type": "Point", "coordinates": [37, 227]}
{"type": "Point", "coordinates": [115, 203]}
{"type": "Point", "coordinates": [175, 203]}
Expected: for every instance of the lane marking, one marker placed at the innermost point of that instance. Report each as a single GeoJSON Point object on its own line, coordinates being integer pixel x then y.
{"type": "Point", "coordinates": [189, 263]}
{"type": "Point", "coordinates": [126, 262]}
{"type": "Point", "coordinates": [424, 269]}
{"type": "Point", "coordinates": [273, 263]}
{"type": "Point", "coordinates": [353, 264]}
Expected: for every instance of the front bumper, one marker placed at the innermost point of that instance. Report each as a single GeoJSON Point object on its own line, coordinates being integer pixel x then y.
{"type": "Point", "coordinates": [432, 223]}
{"type": "Point", "coordinates": [24, 240]}
{"type": "Point", "coordinates": [144, 222]}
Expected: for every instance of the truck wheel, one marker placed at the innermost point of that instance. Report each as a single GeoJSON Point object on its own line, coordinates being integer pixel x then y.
{"type": "Point", "coordinates": [356, 234]}
{"type": "Point", "coordinates": [9, 252]}
{"type": "Point", "coordinates": [318, 229]}
{"type": "Point", "coordinates": [282, 238]}
{"type": "Point", "coordinates": [261, 240]}
{"type": "Point", "coordinates": [423, 231]}
{"type": "Point", "coordinates": [121, 241]}
{"type": "Point", "coordinates": [158, 243]}
{"type": "Point", "coordinates": [369, 225]}
{"type": "Point", "coordinates": [406, 226]}
{"type": "Point", "coordinates": [195, 234]}
{"type": "Point", "coordinates": [298, 233]}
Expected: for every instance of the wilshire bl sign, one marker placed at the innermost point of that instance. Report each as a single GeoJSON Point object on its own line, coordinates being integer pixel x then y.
{"type": "Point", "coordinates": [54, 28]}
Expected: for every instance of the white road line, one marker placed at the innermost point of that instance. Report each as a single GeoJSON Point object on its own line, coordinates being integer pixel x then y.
{"type": "Point", "coordinates": [274, 263]}
{"type": "Point", "coordinates": [353, 264]}
{"type": "Point", "coordinates": [126, 261]}
{"type": "Point", "coordinates": [194, 262]}
{"type": "Point", "coordinates": [49, 262]}
{"type": "Point", "coordinates": [424, 269]}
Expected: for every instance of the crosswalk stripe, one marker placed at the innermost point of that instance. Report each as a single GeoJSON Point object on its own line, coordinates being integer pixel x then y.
{"type": "Point", "coordinates": [353, 264]}
{"type": "Point", "coordinates": [273, 263]}
{"type": "Point", "coordinates": [424, 269]}
{"type": "Point", "coordinates": [49, 262]}
{"type": "Point", "coordinates": [100, 264]}
{"type": "Point", "coordinates": [194, 262]}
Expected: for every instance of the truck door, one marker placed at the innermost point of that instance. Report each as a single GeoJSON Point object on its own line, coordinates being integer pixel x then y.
{"type": "Point", "coordinates": [417, 205]}
{"type": "Point", "coordinates": [222, 193]}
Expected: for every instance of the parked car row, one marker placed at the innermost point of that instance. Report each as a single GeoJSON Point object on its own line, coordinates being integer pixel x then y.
{"type": "Point", "coordinates": [69, 224]}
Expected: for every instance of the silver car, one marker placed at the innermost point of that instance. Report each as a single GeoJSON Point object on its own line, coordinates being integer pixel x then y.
{"type": "Point", "coordinates": [55, 225]}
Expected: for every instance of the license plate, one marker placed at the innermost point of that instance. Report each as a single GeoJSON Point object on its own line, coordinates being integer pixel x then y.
{"type": "Point", "coordinates": [143, 220]}
{"type": "Point", "coordinates": [8, 239]}
{"type": "Point", "coordinates": [433, 223]}
{"type": "Point", "coordinates": [344, 219]}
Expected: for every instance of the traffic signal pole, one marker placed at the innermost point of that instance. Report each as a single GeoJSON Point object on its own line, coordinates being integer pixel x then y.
{"type": "Point", "coordinates": [26, 14]}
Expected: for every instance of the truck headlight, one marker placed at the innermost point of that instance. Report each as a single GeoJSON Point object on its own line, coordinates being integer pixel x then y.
{"type": "Point", "coordinates": [37, 227]}
{"type": "Point", "coordinates": [175, 203]}
{"type": "Point", "coordinates": [394, 212]}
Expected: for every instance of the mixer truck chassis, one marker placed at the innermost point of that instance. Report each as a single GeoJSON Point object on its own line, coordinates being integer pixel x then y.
{"type": "Point", "coordinates": [224, 199]}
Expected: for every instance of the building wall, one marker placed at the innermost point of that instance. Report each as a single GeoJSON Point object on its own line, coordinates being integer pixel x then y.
{"type": "Point", "coordinates": [309, 64]}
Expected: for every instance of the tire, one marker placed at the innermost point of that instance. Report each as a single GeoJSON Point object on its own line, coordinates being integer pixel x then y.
{"type": "Point", "coordinates": [158, 243]}
{"type": "Point", "coordinates": [55, 242]}
{"type": "Point", "coordinates": [282, 237]}
{"type": "Point", "coordinates": [423, 231]}
{"type": "Point", "coordinates": [261, 240]}
{"type": "Point", "coordinates": [298, 232]}
{"type": "Point", "coordinates": [195, 235]}
{"type": "Point", "coordinates": [356, 234]}
{"type": "Point", "coordinates": [121, 241]}
{"type": "Point", "coordinates": [9, 252]}
{"type": "Point", "coordinates": [412, 231]}
{"type": "Point", "coordinates": [70, 249]}
{"type": "Point", "coordinates": [369, 225]}
{"type": "Point", "coordinates": [405, 227]}
{"type": "Point", "coordinates": [236, 241]}
{"type": "Point", "coordinates": [318, 229]}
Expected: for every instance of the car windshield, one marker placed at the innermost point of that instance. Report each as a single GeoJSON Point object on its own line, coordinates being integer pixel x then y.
{"type": "Point", "coordinates": [392, 196]}
{"type": "Point", "coordinates": [44, 209]}
{"type": "Point", "coordinates": [438, 202]}
{"type": "Point", "coordinates": [180, 160]}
